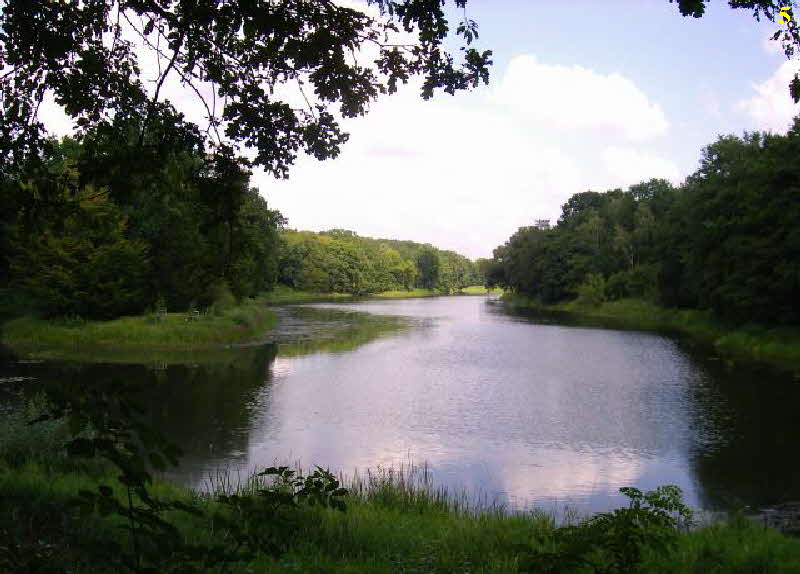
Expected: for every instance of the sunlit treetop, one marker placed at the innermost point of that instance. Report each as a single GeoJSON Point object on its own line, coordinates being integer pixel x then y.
{"type": "Point", "coordinates": [272, 75]}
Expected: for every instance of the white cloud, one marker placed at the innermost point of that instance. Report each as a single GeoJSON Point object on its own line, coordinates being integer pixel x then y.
{"type": "Point", "coordinates": [576, 98]}
{"type": "Point", "coordinates": [465, 172]}
{"type": "Point", "coordinates": [772, 107]}
{"type": "Point", "coordinates": [462, 177]}
{"type": "Point", "coordinates": [771, 46]}
{"type": "Point", "coordinates": [628, 166]}
{"type": "Point", "coordinates": [55, 120]}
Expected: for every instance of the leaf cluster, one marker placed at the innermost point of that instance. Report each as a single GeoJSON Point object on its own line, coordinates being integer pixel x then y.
{"type": "Point", "coordinates": [615, 542]}
{"type": "Point", "coordinates": [247, 63]}
{"type": "Point", "coordinates": [106, 422]}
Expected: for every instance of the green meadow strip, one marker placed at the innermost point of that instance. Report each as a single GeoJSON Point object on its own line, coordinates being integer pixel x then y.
{"type": "Point", "coordinates": [776, 346]}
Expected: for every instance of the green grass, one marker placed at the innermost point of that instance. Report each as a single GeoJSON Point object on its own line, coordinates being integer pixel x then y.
{"type": "Point", "coordinates": [479, 290]}
{"type": "Point", "coordinates": [283, 295]}
{"type": "Point", "coordinates": [777, 346]}
{"type": "Point", "coordinates": [472, 290]}
{"type": "Point", "coordinates": [375, 537]}
{"type": "Point", "coordinates": [391, 524]}
{"type": "Point", "coordinates": [408, 293]}
{"type": "Point", "coordinates": [75, 338]}
{"type": "Point", "coordinates": [340, 331]}
{"type": "Point", "coordinates": [396, 520]}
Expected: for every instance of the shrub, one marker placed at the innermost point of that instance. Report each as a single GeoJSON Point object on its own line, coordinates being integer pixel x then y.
{"type": "Point", "coordinates": [615, 542]}
{"type": "Point", "coordinates": [86, 267]}
{"type": "Point", "coordinates": [592, 292]}
{"type": "Point", "coordinates": [220, 298]}
{"type": "Point", "coordinates": [639, 282]}
{"type": "Point", "coordinates": [21, 442]}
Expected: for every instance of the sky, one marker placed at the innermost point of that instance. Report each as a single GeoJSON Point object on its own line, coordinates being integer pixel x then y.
{"type": "Point", "coordinates": [584, 95]}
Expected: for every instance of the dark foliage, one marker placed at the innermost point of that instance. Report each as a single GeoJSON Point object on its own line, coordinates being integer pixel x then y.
{"type": "Point", "coordinates": [113, 240]}
{"type": "Point", "coordinates": [138, 531]}
{"type": "Point", "coordinates": [614, 542]}
{"type": "Point", "coordinates": [727, 240]}
{"type": "Point", "coordinates": [232, 56]}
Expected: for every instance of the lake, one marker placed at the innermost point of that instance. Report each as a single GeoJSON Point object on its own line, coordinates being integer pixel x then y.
{"type": "Point", "coordinates": [513, 409]}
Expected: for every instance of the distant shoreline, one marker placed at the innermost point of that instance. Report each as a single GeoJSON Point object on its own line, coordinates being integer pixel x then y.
{"type": "Point", "coordinates": [771, 345]}
{"type": "Point", "coordinates": [175, 331]}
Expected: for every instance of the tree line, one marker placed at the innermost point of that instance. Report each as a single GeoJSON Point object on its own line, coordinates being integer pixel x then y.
{"type": "Point", "coordinates": [341, 261]}
{"type": "Point", "coordinates": [727, 240]}
{"type": "Point", "coordinates": [94, 231]}
{"type": "Point", "coordinates": [186, 229]}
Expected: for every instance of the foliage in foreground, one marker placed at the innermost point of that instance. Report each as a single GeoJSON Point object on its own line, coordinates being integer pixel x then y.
{"type": "Point", "coordinates": [91, 505]}
{"type": "Point", "coordinates": [134, 528]}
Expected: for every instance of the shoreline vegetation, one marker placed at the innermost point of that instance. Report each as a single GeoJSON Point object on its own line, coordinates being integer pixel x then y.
{"type": "Point", "coordinates": [179, 331]}
{"type": "Point", "coordinates": [175, 331]}
{"type": "Point", "coordinates": [283, 295]}
{"type": "Point", "coordinates": [775, 346]}
{"type": "Point", "coordinates": [389, 521]}
{"type": "Point", "coordinates": [717, 253]}
{"type": "Point", "coordinates": [386, 520]}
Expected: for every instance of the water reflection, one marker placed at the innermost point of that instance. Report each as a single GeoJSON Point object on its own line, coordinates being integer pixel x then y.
{"type": "Point", "coordinates": [515, 408]}
{"type": "Point", "coordinates": [495, 405]}
{"type": "Point", "coordinates": [750, 422]}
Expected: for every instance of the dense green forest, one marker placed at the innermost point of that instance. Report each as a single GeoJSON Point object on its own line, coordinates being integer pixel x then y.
{"type": "Point", "coordinates": [340, 261]}
{"type": "Point", "coordinates": [77, 241]}
{"type": "Point", "coordinates": [727, 240]}
{"type": "Point", "coordinates": [147, 209]}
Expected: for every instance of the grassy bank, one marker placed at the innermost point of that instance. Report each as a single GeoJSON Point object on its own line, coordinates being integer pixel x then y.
{"type": "Point", "coordinates": [480, 290]}
{"type": "Point", "coordinates": [127, 338]}
{"type": "Point", "coordinates": [391, 521]}
{"type": "Point", "coordinates": [387, 526]}
{"type": "Point", "coordinates": [472, 290]}
{"type": "Point", "coordinates": [402, 293]}
{"type": "Point", "coordinates": [777, 346]}
{"type": "Point", "coordinates": [63, 337]}
{"type": "Point", "coordinates": [338, 331]}
{"type": "Point", "coordinates": [283, 295]}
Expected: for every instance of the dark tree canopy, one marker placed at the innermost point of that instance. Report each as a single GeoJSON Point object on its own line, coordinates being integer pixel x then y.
{"type": "Point", "coordinates": [726, 241]}
{"type": "Point", "coordinates": [241, 59]}
{"type": "Point", "coordinates": [238, 57]}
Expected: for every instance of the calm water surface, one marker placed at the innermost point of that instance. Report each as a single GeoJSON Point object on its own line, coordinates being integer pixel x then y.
{"type": "Point", "coordinates": [519, 410]}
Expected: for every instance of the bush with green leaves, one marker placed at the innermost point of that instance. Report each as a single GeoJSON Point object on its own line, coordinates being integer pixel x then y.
{"type": "Point", "coordinates": [615, 542]}
{"type": "Point", "coordinates": [85, 265]}
{"type": "Point", "coordinates": [592, 292]}
{"type": "Point", "coordinates": [21, 442]}
{"type": "Point", "coordinates": [103, 422]}
{"type": "Point", "coordinates": [640, 282]}
{"type": "Point", "coordinates": [219, 298]}
{"type": "Point", "coordinates": [267, 520]}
